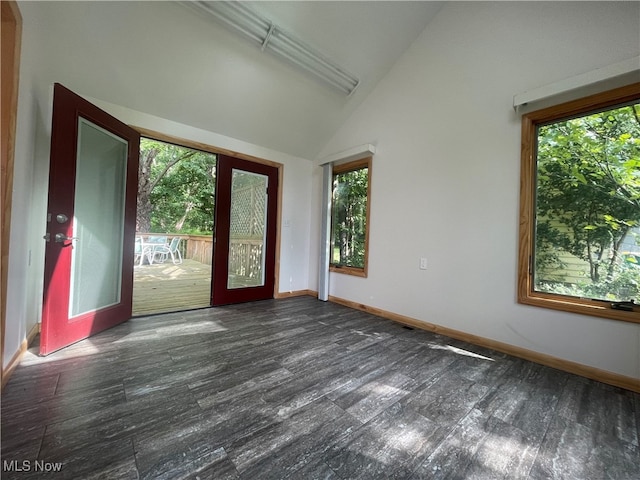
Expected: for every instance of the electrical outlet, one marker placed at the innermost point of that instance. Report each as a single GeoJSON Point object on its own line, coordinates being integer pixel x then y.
{"type": "Point", "coordinates": [423, 263]}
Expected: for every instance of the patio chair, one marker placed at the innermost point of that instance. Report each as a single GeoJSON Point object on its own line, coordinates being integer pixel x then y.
{"type": "Point", "coordinates": [164, 252]}
{"type": "Point", "coordinates": [156, 240]}
{"type": "Point", "coordinates": [153, 243]}
{"type": "Point", "coordinates": [141, 252]}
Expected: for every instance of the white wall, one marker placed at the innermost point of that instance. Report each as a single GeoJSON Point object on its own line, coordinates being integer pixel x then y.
{"type": "Point", "coordinates": [445, 180]}
{"type": "Point", "coordinates": [26, 246]}
{"type": "Point", "coordinates": [45, 61]}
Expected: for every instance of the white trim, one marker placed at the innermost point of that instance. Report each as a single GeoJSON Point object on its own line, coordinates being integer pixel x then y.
{"type": "Point", "coordinates": [351, 154]}
{"type": "Point", "coordinates": [325, 233]}
{"type": "Point", "coordinates": [629, 66]}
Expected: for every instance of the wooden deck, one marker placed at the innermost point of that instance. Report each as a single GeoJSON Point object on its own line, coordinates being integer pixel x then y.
{"type": "Point", "coordinates": [168, 288]}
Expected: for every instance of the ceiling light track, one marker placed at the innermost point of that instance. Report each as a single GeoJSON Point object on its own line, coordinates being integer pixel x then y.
{"type": "Point", "coordinates": [276, 40]}
{"type": "Point", "coordinates": [272, 29]}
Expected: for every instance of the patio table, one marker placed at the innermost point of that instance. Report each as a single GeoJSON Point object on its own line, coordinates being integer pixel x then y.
{"type": "Point", "coordinates": [149, 244]}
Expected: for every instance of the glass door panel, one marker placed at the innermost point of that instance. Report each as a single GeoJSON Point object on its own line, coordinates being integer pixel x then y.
{"type": "Point", "coordinates": [89, 243]}
{"type": "Point", "coordinates": [98, 223]}
{"type": "Point", "coordinates": [247, 236]}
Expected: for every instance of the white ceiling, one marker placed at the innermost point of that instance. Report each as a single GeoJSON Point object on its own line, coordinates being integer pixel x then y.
{"type": "Point", "coordinates": [167, 60]}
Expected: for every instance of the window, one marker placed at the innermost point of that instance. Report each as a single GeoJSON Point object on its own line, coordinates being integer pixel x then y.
{"type": "Point", "coordinates": [580, 206]}
{"type": "Point", "coordinates": [350, 217]}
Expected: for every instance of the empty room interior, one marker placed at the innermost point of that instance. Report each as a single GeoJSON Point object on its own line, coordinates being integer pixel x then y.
{"type": "Point", "coordinates": [420, 239]}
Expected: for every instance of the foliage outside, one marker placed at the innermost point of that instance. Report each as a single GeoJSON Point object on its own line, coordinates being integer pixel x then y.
{"type": "Point", "coordinates": [349, 218]}
{"type": "Point", "coordinates": [175, 189]}
{"type": "Point", "coordinates": [588, 205]}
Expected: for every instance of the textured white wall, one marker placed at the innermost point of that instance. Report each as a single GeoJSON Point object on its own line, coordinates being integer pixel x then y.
{"type": "Point", "coordinates": [446, 176]}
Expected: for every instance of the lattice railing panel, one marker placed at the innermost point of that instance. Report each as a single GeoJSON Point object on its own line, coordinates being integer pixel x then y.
{"type": "Point", "coordinates": [248, 211]}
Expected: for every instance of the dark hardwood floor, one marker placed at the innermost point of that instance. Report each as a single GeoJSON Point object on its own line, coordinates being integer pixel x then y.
{"type": "Point", "coordinates": [303, 389]}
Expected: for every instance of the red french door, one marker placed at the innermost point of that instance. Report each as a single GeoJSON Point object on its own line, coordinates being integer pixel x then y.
{"type": "Point", "coordinates": [93, 181]}
{"type": "Point", "coordinates": [244, 253]}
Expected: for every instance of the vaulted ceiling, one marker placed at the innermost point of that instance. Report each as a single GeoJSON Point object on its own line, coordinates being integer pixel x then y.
{"type": "Point", "coordinates": [167, 60]}
{"type": "Point", "coordinates": [287, 109]}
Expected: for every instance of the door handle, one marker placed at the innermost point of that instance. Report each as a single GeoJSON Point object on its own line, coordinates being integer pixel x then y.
{"type": "Point", "coordinates": [61, 238]}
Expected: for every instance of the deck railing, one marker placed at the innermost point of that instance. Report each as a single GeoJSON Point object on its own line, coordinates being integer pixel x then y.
{"type": "Point", "coordinates": [199, 248]}
{"type": "Point", "coordinates": [195, 247]}
{"type": "Point", "coordinates": [245, 257]}
{"type": "Point", "coordinates": [245, 253]}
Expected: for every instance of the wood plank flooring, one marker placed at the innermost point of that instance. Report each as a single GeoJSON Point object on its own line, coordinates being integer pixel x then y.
{"type": "Point", "coordinates": [302, 389]}
{"type": "Point", "coordinates": [165, 287]}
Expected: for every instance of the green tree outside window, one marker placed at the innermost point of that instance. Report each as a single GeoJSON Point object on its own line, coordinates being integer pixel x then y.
{"type": "Point", "coordinates": [587, 231]}
{"type": "Point", "coordinates": [349, 217]}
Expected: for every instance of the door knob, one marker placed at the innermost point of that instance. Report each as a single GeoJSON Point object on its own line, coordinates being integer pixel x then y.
{"type": "Point", "coordinates": [61, 218]}
{"type": "Point", "coordinates": [61, 237]}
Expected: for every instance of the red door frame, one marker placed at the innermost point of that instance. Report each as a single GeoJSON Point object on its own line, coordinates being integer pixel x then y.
{"type": "Point", "coordinates": [221, 295]}
{"type": "Point", "coordinates": [57, 329]}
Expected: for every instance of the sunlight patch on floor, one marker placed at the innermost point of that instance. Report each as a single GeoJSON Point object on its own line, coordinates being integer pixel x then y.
{"type": "Point", "coordinates": [407, 439]}
{"type": "Point", "coordinates": [460, 351]}
{"type": "Point", "coordinates": [187, 328]}
{"type": "Point", "coordinates": [499, 451]}
{"type": "Point", "coordinates": [32, 357]}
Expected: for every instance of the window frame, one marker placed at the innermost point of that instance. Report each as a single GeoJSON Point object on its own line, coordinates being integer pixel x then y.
{"type": "Point", "coordinates": [528, 182]}
{"type": "Point", "coordinates": [344, 168]}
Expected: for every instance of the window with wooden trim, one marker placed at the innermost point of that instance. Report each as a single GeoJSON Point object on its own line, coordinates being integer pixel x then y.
{"type": "Point", "coordinates": [350, 203]}
{"type": "Point", "coordinates": [580, 206]}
